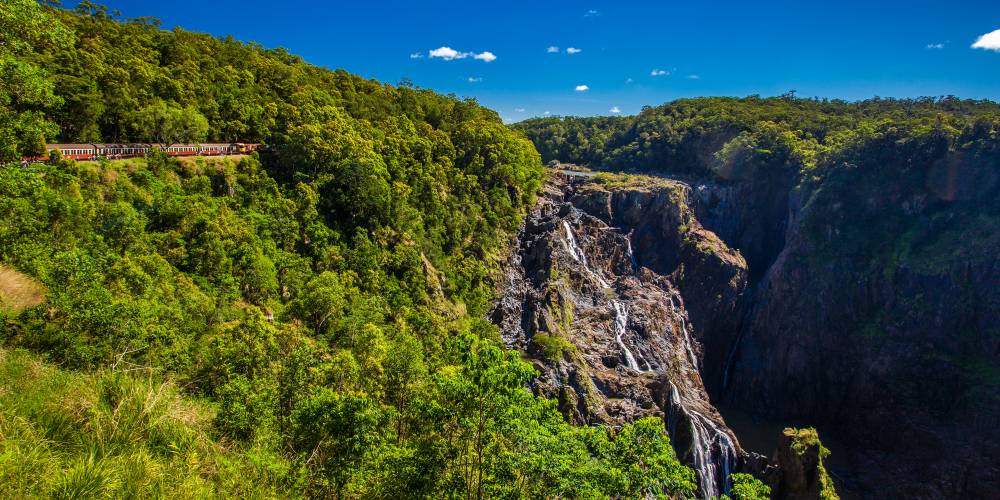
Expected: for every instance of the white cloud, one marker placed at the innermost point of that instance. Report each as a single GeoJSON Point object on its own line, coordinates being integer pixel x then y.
{"type": "Point", "coordinates": [552, 49]}
{"type": "Point", "coordinates": [573, 50]}
{"type": "Point", "coordinates": [694, 77]}
{"type": "Point", "coordinates": [485, 56]}
{"type": "Point", "coordinates": [547, 113]}
{"type": "Point", "coordinates": [989, 41]}
{"type": "Point", "coordinates": [935, 45]}
{"type": "Point", "coordinates": [629, 80]}
{"type": "Point", "coordinates": [474, 79]}
{"type": "Point", "coordinates": [447, 53]}
{"type": "Point", "coordinates": [659, 72]}
{"type": "Point", "coordinates": [450, 54]}
{"type": "Point", "coordinates": [592, 13]}
{"type": "Point", "coordinates": [416, 55]}
{"type": "Point", "coordinates": [615, 109]}
{"type": "Point", "coordinates": [582, 88]}
{"type": "Point", "coordinates": [519, 110]}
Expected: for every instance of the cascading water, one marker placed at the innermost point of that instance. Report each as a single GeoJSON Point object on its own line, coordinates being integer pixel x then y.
{"type": "Point", "coordinates": [631, 254]}
{"type": "Point", "coordinates": [621, 321]}
{"type": "Point", "coordinates": [621, 312]}
{"type": "Point", "coordinates": [572, 247]}
{"type": "Point", "coordinates": [713, 451]}
{"type": "Point", "coordinates": [688, 344]}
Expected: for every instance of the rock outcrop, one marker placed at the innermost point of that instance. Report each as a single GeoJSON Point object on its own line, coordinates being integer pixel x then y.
{"type": "Point", "coordinates": [800, 474]}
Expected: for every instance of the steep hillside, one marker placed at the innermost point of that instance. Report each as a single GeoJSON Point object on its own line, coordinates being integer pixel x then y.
{"type": "Point", "coordinates": [308, 321]}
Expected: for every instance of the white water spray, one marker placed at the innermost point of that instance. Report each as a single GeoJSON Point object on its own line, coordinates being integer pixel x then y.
{"type": "Point", "coordinates": [712, 449]}
{"type": "Point", "coordinates": [621, 312]}
{"type": "Point", "coordinates": [621, 321]}
{"type": "Point", "coordinates": [631, 254]}
{"type": "Point", "coordinates": [688, 343]}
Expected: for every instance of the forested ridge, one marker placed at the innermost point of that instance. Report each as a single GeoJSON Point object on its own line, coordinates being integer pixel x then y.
{"type": "Point", "coordinates": [703, 136]}
{"type": "Point", "coordinates": [303, 322]}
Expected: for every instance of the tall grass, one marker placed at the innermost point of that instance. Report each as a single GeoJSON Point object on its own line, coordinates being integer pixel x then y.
{"type": "Point", "coordinates": [116, 435]}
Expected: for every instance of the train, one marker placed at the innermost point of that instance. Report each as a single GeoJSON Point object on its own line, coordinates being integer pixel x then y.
{"type": "Point", "coordinates": [90, 152]}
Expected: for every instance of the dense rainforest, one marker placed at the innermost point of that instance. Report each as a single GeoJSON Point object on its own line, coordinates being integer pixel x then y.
{"type": "Point", "coordinates": [870, 232]}
{"type": "Point", "coordinates": [307, 321]}
{"type": "Point", "coordinates": [711, 136]}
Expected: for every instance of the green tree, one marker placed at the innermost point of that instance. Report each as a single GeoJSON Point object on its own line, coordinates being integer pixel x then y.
{"type": "Point", "coordinates": [168, 124]}
{"type": "Point", "coordinates": [321, 303]}
{"type": "Point", "coordinates": [747, 487]}
{"type": "Point", "coordinates": [26, 92]}
{"type": "Point", "coordinates": [337, 434]}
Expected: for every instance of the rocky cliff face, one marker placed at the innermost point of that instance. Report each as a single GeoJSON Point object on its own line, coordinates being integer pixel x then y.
{"type": "Point", "coordinates": [598, 295]}
{"type": "Point", "coordinates": [878, 322]}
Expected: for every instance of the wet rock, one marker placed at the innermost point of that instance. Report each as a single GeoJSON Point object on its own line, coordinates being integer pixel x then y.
{"type": "Point", "coordinates": [594, 295]}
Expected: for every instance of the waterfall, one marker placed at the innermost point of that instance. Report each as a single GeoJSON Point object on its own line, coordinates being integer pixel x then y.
{"type": "Point", "coordinates": [688, 343]}
{"type": "Point", "coordinates": [621, 312]}
{"type": "Point", "coordinates": [712, 449]}
{"type": "Point", "coordinates": [631, 254]}
{"type": "Point", "coordinates": [621, 321]}
{"type": "Point", "coordinates": [572, 247]}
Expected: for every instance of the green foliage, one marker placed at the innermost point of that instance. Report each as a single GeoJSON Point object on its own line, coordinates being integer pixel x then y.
{"type": "Point", "coordinates": [26, 92]}
{"type": "Point", "coordinates": [733, 138]}
{"type": "Point", "coordinates": [552, 347]}
{"type": "Point", "coordinates": [169, 125]}
{"type": "Point", "coordinates": [747, 487]}
{"type": "Point", "coordinates": [805, 440]}
{"type": "Point", "coordinates": [320, 304]}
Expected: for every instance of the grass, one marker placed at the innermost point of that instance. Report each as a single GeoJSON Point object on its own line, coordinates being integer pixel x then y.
{"type": "Point", "coordinates": [608, 180]}
{"type": "Point", "coordinates": [182, 159]}
{"type": "Point", "coordinates": [18, 291]}
{"type": "Point", "coordinates": [115, 434]}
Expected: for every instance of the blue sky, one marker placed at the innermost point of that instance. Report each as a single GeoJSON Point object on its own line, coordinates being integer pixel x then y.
{"type": "Point", "coordinates": [500, 51]}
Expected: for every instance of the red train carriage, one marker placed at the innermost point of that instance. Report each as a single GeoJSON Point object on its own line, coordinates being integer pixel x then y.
{"type": "Point", "coordinates": [74, 151]}
{"type": "Point", "coordinates": [122, 150]}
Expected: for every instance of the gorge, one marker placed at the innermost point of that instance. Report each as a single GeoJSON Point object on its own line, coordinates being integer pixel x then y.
{"type": "Point", "coordinates": [855, 296]}
{"type": "Point", "coordinates": [381, 291]}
